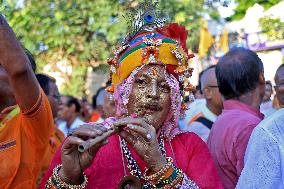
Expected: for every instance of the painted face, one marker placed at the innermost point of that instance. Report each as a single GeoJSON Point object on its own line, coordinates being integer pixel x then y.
{"type": "Point", "coordinates": [150, 97]}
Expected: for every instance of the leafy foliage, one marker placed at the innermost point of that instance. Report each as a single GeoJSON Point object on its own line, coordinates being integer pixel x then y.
{"type": "Point", "coordinates": [272, 27]}
{"type": "Point", "coordinates": [243, 5]}
{"type": "Point", "coordinates": [187, 13]}
{"type": "Point", "coordinates": [83, 33]}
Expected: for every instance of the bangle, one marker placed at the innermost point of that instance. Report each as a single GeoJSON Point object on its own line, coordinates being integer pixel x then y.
{"type": "Point", "coordinates": [161, 172]}
{"type": "Point", "coordinates": [55, 182]}
{"type": "Point", "coordinates": [164, 181]}
{"type": "Point", "coordinates": [177, 180]}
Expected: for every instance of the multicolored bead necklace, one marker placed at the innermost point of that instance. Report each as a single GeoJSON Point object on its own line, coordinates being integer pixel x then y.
{"type": "Point", "coordinates": [132, 164]}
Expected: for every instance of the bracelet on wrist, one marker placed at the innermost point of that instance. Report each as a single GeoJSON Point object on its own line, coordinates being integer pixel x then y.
{"type": "Point", "coordinates": [55, 182]}
{"type": "Point", "coordinates": [172, 180]}
{"type": "Point", "coordinates": [158, 174]}
{"type": "Point", "coordinates": [167, 177]}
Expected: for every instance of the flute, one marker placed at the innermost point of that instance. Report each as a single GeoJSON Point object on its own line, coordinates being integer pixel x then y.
{"type": "Point", "coordinates": [89, 143]}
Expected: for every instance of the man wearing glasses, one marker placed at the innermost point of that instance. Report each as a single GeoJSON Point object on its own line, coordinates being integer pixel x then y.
{"type": "Point", "coordinates": [241, 82]}
{"type": "Point", "coordinates": [209, 107]}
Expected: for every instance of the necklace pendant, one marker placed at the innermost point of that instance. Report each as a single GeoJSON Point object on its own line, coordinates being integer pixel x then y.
{"type": "Point", "coordinates": [131, 182]}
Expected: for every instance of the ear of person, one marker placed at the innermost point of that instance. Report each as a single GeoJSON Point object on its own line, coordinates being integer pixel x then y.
{"type": "Point", "coordinates": [262, 79]}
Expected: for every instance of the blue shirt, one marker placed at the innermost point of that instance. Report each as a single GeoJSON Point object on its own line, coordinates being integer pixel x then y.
{"type": "Point", "coordinates": [264, 167]}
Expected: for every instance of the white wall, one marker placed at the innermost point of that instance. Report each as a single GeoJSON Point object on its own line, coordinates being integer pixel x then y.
{"type": "Point", "coordinates": [271, 61]}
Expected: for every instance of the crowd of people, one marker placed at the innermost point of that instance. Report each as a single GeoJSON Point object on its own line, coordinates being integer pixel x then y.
{"type": "Point", "coordinates": [136, 133]}
{"type": "Point", "coordinates": [243, 128]}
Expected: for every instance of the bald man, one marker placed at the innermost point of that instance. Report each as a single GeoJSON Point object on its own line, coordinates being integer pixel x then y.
{"type": "Point", "coordinates": [210, 90]}
{"type": "Point", "coordinates": [210, 107]}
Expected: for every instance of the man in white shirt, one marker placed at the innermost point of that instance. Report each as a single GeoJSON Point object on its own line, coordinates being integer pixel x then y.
{"type": "Point", "coordinates": [264, 157]}
{"type": "Point", "coordinates": [69, 111]}
{"type": "Point", "coordinates": [202, 113]}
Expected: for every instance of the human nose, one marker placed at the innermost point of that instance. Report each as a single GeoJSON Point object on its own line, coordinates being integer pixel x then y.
{"type": "Point", "coordinates": [153, 93]}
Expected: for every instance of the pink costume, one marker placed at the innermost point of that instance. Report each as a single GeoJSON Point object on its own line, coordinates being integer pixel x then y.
{"type": "Point", "coordinates": [188, 151]}
{"type": "Point", "coordinates": [190, 154]}
{"type": "Point", "coordinates": [150, 43]}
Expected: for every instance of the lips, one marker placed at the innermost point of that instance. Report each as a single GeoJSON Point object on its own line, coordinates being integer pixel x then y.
{"type": "Point", "coordinates": [149, 111]}
{"type": "Point", "coordinates": [153, 107]}
{"type": "Point", "coordinates": [148, 108]}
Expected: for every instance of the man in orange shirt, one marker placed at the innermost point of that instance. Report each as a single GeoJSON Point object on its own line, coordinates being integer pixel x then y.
{"type": "Point", "coordinates": [25, 129]}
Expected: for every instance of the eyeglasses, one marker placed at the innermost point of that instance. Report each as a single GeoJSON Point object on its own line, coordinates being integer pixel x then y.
{"type": "Point", "coordinates": [209, 86]}
{"type": "Point", "coordinates": [213, 86]}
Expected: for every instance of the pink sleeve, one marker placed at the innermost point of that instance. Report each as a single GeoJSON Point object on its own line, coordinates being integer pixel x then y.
{"type": "Point", "coordinates": [201, 168]}
{"type": "Point", "coordinates": [56, 160]}
{"type": "Point", "coordinates": [240, 147]}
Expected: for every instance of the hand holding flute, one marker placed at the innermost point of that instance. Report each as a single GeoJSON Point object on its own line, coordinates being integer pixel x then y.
{"type": "Point", "coordinates": [80, 148]}
{"type": "Point", "coordinates": [93, 141]}
{"type": "Point", "coordinates": [92, 137]}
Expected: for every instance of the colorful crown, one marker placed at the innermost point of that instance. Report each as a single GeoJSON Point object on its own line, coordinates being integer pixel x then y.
{"type": "Point", "coordinates": [152, 43]}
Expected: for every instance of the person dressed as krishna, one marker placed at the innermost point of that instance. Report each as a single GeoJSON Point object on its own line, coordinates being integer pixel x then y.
{"type": "Point", "coordinates": [142, 146]}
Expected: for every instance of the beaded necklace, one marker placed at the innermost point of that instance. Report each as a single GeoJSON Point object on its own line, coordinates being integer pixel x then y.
{"type": "Point", "coordinates": [132, 164]}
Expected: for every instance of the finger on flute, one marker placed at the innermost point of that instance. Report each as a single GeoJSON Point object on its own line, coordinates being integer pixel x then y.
{"type": "Point", "coordinates": [91, 142]}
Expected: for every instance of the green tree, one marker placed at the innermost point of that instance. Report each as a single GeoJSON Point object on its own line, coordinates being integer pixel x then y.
{"type": "Point", "coordinates": [272, 27]}
{"type": "Point", "coordinates": [79, 33]}
{"type": "Point", "coordinates": [187, 13]}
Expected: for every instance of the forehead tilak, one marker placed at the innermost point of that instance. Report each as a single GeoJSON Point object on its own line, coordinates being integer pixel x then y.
{"type": "Point", "coordinates": [153, 72]}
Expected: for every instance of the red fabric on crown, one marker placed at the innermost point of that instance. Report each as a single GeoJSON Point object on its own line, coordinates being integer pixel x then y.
{"type": "Point", "coordinates": [175, 31]}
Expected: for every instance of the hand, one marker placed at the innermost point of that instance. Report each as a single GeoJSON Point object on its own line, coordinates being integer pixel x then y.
{"type": "Point", "coordinates": [74, 162]}
{"type": "Point", "coordinates": [142, 137]}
